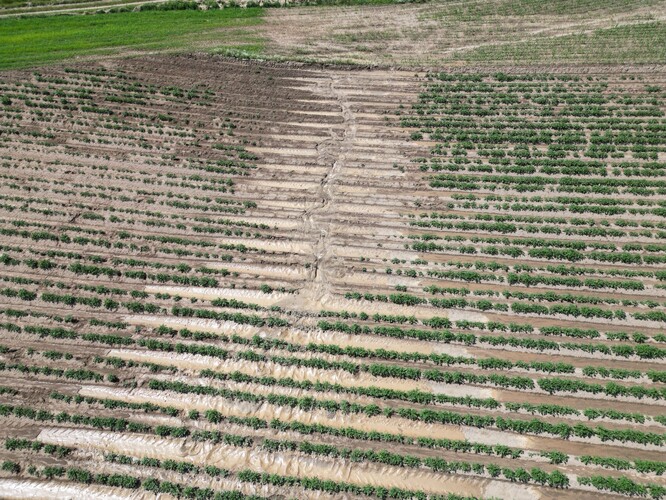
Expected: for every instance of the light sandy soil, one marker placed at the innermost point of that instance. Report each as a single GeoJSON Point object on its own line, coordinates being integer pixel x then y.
{"type": "Point", "coordinates": [233, 458]}
{"type": "Point", "coordinates": [15, 489]}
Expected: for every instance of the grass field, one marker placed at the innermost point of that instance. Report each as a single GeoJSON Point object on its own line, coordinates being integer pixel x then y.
{"type": "Point", "coordinates": [33, 41]}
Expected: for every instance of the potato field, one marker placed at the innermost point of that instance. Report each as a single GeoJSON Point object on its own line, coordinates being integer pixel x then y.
{"type": "Point", "coordinates": [225, 279]}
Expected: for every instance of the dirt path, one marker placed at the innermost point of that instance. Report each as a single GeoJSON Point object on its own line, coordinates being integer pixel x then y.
{"type": "Point", "coordinates": [55, 10]}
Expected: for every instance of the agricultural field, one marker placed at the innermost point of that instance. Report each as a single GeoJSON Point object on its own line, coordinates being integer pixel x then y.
{"type": "Point", "coordinates": [457, 34]}
{"type": "Point", "coordinates": [332, 283]}
{"type": "Point", "coordinates": [250, 279]}
{"type": "Point", "coordinates": [371, 33]}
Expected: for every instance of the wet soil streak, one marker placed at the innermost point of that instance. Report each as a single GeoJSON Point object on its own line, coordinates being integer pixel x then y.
{"type": "Point", "coordinates": [332, 152]}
